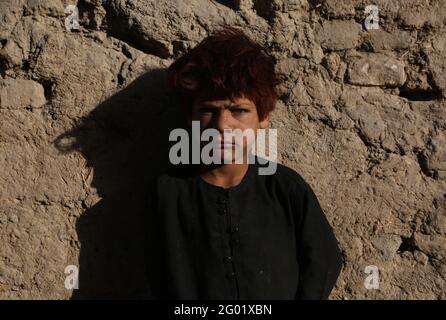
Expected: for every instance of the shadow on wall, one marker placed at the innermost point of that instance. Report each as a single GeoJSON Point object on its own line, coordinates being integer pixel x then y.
{"type": "Point", "coordinates": [125, 141]}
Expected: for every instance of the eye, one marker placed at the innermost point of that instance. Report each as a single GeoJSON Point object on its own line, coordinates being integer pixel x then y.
{"type": "Point", "coordinates": [240, 110]}
{"type": "Point", "coordinates": [207, 110]}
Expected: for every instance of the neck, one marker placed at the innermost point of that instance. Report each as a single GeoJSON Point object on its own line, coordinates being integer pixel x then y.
{"type": "Point", "coordinates": [224, 175]}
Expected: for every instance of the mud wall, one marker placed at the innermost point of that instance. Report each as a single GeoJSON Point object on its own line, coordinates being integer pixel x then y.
{"type": "Point", "coordinates": [84, 118]}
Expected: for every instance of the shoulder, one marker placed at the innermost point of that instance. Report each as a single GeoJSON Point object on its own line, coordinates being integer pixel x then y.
{"type": "Point", "coordinates": [173, 176]}
{"type": "Point", "coordinates": [291, 176]}
{"type": "Point", "coordinates": [287, 177]}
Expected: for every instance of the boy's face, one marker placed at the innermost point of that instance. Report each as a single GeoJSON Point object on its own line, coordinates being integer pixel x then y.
{"type": "Point", "coordinates": [222, 113]}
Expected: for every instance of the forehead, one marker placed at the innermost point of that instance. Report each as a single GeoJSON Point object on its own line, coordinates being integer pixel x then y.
{"type": "Point", "coordinates": [222, 100]}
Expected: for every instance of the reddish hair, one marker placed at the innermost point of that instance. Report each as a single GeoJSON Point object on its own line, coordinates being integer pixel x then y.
{"type": "Point", "coordinates": [226, 64]}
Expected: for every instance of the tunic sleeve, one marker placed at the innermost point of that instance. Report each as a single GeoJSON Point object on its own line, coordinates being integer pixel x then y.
{"type": "Point", "coordinates": [152, 242]}
{"type": "Point", "coordinates": [319, 257]}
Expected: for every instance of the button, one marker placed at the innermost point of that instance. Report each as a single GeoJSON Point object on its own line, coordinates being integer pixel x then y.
{"type": "Point", "coordinates": [227, 259]}
{"type": "Point", "coordinates": [221, 201]}
{"type": "Point", "coordinates": [222, 211]}
{"type": "Point", "coordinates": [234, 241]}
{"type": "Point", "coordinates": [230, 275]}
{"type": "Point", "coordinates": [232, 229]}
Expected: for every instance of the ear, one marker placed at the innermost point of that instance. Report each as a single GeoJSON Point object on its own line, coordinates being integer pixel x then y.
{"type": "Point", "coordinates": [265, 122]}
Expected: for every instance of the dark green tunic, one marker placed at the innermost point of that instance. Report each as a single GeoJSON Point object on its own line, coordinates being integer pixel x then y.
{"type": "Point", "coordinates": [266, 238]}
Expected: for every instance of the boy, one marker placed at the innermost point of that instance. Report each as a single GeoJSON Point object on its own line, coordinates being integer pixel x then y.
{"type": "Point", "coordinates": [223, 231]}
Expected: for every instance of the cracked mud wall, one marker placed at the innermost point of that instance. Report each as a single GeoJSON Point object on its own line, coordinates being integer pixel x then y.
{"type": "Point", "coordinates": [84, 118]}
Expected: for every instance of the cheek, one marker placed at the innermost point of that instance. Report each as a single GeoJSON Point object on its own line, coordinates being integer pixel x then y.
{"type": "Point", "coordinates": [204, 120]}
{"type": "Point", "coordinates": [248, 138]}
{"type": "Point", "coordinates": [246, 120]}
{"type": "Point", "coordinates": [250, 141]}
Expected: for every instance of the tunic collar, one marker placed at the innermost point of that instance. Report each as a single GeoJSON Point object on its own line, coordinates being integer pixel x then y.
{"type": "Point", "coordinates": [247, 178]}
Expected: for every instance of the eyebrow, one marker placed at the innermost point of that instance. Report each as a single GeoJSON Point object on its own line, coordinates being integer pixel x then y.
{"type": "Point", "coordinates": [231, 105]}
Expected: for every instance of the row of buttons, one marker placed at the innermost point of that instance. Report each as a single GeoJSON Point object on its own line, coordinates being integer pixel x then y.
{"type": "Point", "coordinates": [231, 230]}
{"type": "Point", "coordinates": [223, 206]}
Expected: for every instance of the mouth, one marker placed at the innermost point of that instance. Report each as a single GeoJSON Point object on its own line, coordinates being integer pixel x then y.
{"type": "Point", "coordinates": [226, 144]}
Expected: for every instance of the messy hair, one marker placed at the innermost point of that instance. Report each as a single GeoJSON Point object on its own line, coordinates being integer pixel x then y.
{"type": "Point", "coordinates": [225, 64]}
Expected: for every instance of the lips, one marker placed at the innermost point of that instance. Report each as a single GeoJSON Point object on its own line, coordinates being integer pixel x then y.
{"type": "Point", "coordinates": [226, 144]}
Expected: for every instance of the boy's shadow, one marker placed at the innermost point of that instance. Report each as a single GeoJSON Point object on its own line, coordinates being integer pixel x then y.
{"type": "Point", "coordinates": [125, 142]}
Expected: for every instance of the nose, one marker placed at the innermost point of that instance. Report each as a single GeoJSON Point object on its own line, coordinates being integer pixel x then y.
{"type": "Point", "coordinates": [222, 120]}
